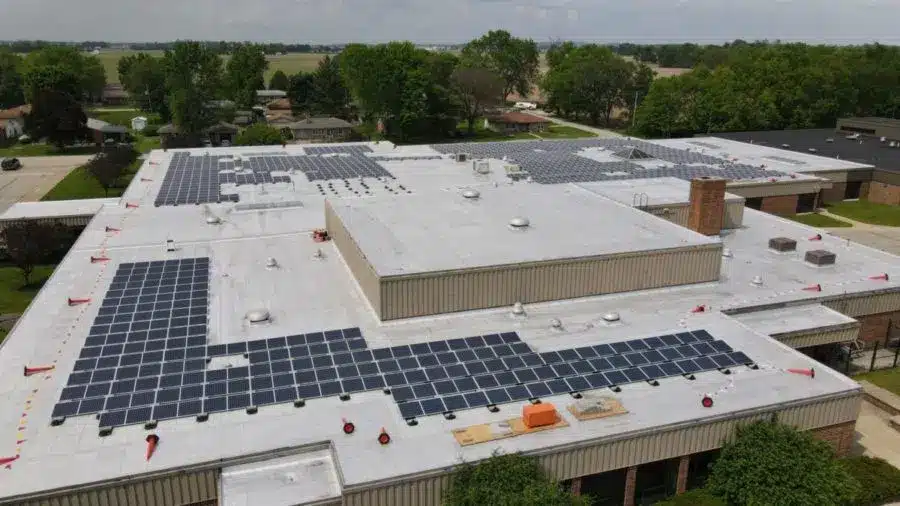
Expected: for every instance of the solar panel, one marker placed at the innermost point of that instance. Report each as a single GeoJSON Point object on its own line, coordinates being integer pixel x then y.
{"type": "Point", "coordinates": [145, 358]}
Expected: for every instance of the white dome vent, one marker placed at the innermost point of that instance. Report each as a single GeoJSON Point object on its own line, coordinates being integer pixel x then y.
{"type": "Point", "coordinates": [471, 194]}
{"type": "Point", "coordinates": [756, 281]}
{"type": "Point", "coordinates": [611, 317]}
{"type": "Point", "coordinates": [519, 222]}
{"type": "Point", "coordinates": [260, 315]}
{"type": "Point", "coordinates": [518, 309]}
{"type": "Point", "coordinates": [271, 263]}
{"type": "Point", "coordinates": [727, 253]}
{"type": "Point", "coordinates": [212, 219]}
{"type": "Point", "coordinates": [556, 324]}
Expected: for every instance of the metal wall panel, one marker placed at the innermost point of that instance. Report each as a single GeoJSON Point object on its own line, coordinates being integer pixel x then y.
{"type": "Point", "coordinates": [866, 304]}
{"type": "Point", "coordinates": [734, 215]}
{"type": "Point", "coordinates": [679, 213]}
{"type": "Point", "coordinates": [178, 489]}
{"type": "Point", "coordinates": [628, 451]}
{"type": "Point", "coordinates": [353, 256]}
{"type": "Point", "coordinates": [448, 292]}
{"type": "Point", "coordinates": [819, 337]}
{"type": "Point", "coordinates": [778, 189]}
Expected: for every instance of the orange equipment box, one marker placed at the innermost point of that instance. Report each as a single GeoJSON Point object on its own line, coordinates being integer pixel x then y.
{"type": "Point", "coordinates": [538, 415]}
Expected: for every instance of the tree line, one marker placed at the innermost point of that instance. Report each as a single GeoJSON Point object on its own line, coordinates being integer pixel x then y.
{"type": "Point", "coordinates": [774, 86]}
{"type": "Point", "coordinates": [222, 47]}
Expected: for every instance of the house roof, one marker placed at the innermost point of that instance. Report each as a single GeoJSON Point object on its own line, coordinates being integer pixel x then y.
{"type": "Point", "coordinates": [283, 104]}
{"type": "Point", "coordinates": [219, 127]}
{"type": "Point", "coordinates": [15, 112]}
{"type": "Point", "coordinates": [102, 126]}
{"type": "Point", "coordinates": [518, 118]}
{"type": "Point", "coordinates": [311, 123]}
{"type": "Point", "coordinates": [271, 93]}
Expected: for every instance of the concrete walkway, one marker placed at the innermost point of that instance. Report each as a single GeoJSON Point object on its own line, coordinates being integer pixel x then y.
{"type": "Point", "coordinates": [877, 236]}
{"type": "Point", "coordinates": [36, 177]}
{"type": "Point", "coordinates": [599, 132]}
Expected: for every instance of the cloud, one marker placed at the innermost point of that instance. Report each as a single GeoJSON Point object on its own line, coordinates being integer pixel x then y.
{"type": "Point", "coordinates": [445, 21]}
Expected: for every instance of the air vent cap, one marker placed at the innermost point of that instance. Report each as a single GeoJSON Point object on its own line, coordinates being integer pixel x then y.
{"type": "Point", "coordinates": [258, 316]}
{"type": "Point", "coordinates": [519, 222]}
{"type": "Point", "coordinates": [820, 257]}
{"type": "Point", "coordinates": [782, 244]}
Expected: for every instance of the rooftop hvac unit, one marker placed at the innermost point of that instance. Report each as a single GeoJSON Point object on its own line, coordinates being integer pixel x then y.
{"type": "Point", "coordinates": [514, 170]}
{"type": "Point", "coordinates": [462, 157]}
{"type": "Point", "coordinates": [481, 166]}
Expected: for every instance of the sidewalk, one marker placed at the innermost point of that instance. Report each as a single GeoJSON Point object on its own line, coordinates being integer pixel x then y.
{"type": "Point", "coordinates": [875, 236]}
{"type": "Point", "coordinates": [599, 132]}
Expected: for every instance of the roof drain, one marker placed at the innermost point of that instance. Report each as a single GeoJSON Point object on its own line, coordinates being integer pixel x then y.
{"type": "Point", "coordinates": [611, 317]}
{"type": "Point", "coordinates": [519, 223]}
{"type": "Point", "coordinates": [471, 194]}
{"type": "Point", "coordinates": [257, 316]}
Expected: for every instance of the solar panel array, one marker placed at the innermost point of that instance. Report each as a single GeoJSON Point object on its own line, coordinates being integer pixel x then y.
{"type": "Point", "coordinates": [199, 179]}
{"type": "Point", "coordinates": [146, 357]}
{"type": "Point", "coordinates": [552, 162]}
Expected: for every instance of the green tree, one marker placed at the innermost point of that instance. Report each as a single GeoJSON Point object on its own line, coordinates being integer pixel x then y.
{"type": "Point", "coordinates": [108, 166]}
{"type": "Point", "coordinates": [476, 89]}
{"type": "Point", "coordinates": [516, 60]}
{"type": "Point", "coordinates": [300, 91]}
{"type": "Point", "coordinates": [507, 480]}
{"type": "Point", "coordinates": [144, 78]}
{"type": "Point", "coordinates": [279, 81]}
{"type": "Point", "coordinates": [193, 74]}
{"type": "Point", "coordinates": [697, 497]}
{"type": "Point", "coordinates": [329, 95]}
{"type": "Point", "coordinates": [244, 74]}
{"type": "Point", "coordinates": [12, 91]}
{"type": "Point", "coordinates": [259, 134]}
{"type": "Point", "coordinates": [769, 460]}
{"type": "Point", "coordinates": [57, 117]}
{"type": "Point", "coordinates": [28, 244]}
{"type": "Point", "coordinates": [81, 76]}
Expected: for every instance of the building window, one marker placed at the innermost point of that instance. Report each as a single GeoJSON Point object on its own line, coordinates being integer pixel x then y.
{"type": "Point", "coordinates": [867, 131]}
{"type": "Point", "coordinates": [806, 203]}
{"type": "Point", "coordinates": [853, 190]}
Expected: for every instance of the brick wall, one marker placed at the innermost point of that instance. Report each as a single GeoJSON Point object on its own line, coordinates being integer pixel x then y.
{"type": "Point", "coordinates": [783, 205]}
{"type": "Point", "coordinates": [840, 437]}
{"type": "Point", "coordinates": [707, 205]}
{"type": "Point", "coordinates": [630, 481]}
{"type": "Point", "coordinates": [876, 327]}
{"type": "Point", "coordinates": [834, 194]}
{"type": "Point", "coordinates": [684, 465]}
{"type": "Point", "coordinates": [884, 193]}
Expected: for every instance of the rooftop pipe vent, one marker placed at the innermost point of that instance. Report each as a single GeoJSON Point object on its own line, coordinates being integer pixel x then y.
{"type": "Point", "coordinates": [782, 244]}
{"type": "Point", "coordinates": [611, 317]}
{"type": "Point", "coordinates": [727, 253]}
{"type": "Point", "coordinates": [518, 309]}
{"type": "Point", "coordinates": [556, 324]}
{"type": "Point", "coordinates": [756, 281]}
{"type": "Point", "coordinates": [471, 194]}
{"type": "Point", "coordinates": [271, 263]}
{"type": "Point", "coordinates": [258, 316]}
{"type": "Point", "coordinates": [212, 219]}
{"type": "Point", "coordinates": [820, 257]}
{"type": "Point", "coordinates": [519, 222]}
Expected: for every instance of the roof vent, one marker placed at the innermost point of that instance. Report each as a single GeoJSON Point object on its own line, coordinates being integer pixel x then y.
{"type": "Point", "coordinates": [271, 263]}
{"type": "Point", "coordinates": [820, 257]}
{"type": "Point", "coordinates": [471, 194]}
{"type": "Point", "coordinates": [212, 219]}
{"type": "Point", "coordinates": [519, 222]}
{"type": "Point", "coordinates": [556, 324]}
{"type": "Point", "coordinates": [727, 253]}
{"type": "Point", "coordinates": [258, 316]}
{"type": "Point", "coordinates": [829, 140]}
{"type": "Point", "coordinates": [170, 245]}
{"type": "Point", "coordinates": [518, 309]}
{"type": "Point", "coordinates": [756, 281]}
{"type": "Point", "coordinates": [782, 244]}
{"type": "Point", "coordinates": [785, 145]}
{"type": "Point", "coordinates": [611, 317]}
{"type": "Point", "coordinates": [813, 150]}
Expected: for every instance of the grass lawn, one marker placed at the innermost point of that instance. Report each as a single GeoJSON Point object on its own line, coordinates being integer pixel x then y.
{"type": "Point", "coordinates": [888, 379]}
{"type": "Point", "coordinates": [819, 220]}
{"type": "Point", "coordinates": [14, 296]}
{"type": "Point", "coordinates": [146, 144]}
{"type": "Point", "coordinates": [290, 63]}
{"type": "Point", "coordinates": [867, 212]}
{"type": "Point", "coordinates": [41, 149]}
{"type": "Point", "coordinates": [79, 184]}
{"type": "Point", "coordinates": [564, 132]}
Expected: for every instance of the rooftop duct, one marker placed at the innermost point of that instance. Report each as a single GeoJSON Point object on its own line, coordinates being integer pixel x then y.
{"type": "Point", "coordinates": [782, 244]}
{"type": "Point", "coordinates": [820, 257]}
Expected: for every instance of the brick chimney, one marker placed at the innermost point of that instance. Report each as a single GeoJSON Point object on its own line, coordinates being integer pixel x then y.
{"type": "Point", "coordinates": [707, 205]}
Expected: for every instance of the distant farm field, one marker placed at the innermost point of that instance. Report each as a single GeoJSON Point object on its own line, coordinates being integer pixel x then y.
{"type": "Point", "coordinates": [290, 63]}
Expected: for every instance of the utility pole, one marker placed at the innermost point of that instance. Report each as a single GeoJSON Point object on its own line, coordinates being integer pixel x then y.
{"type": "Point", "coordinates": [634, 109]}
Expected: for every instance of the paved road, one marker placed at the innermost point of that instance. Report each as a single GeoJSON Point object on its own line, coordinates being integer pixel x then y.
{"type": "Point", "coordinates": [599, 132]}
{"type": "Point", "coordinates": [36, 177]}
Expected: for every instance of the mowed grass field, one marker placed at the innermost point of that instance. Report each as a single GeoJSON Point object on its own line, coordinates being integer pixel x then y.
{"type": "Point", "coordinates": [290, 63]}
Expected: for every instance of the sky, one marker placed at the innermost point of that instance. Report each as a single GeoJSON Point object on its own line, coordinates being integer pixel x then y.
{"type": "Point", "coordinates": [451, 21]}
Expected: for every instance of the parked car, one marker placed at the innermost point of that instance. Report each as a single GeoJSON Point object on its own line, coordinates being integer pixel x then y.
{"type": "Point", "coordinates": [11, 164]}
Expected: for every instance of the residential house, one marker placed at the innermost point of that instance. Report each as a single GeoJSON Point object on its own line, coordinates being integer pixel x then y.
{"type": "Point", "coordinates": [12, 121]}
{"type": "Point", "coordinates": [515, 122]}
{"type": "Point", "coordinates": [216, 134]}
{"type": "Point", "coordinates": [114, 94]}
{"type": "Point", "coordinates": [263, 97]}
{"type": "Point", "coordinates": [321, 130]}
{"type": "Point", "coordinates": [102, 132]}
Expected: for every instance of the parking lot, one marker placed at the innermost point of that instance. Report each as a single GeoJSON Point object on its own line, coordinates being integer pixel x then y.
{"type": "Point", "coordinates": [36, 177]}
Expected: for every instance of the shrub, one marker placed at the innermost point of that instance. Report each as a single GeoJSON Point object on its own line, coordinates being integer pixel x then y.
{"type": "Point", "coordinates": [151, 130]}
{"type": "Point", "coordinates": [879, 481]}
{"type": "Point", "coordinates": [698, 497]}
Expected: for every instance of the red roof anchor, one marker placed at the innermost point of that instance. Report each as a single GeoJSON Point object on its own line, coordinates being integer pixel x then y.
{"type": "Point", "coordinates": [706, 401]}
{"type": "Point", "coordinates": [881, 277]}
{"type": "Point", "coordinates": [111, 229]}
{"type": "Point", "coordinates": [806, 372]}
{"type": "Point", "coordinates": [152, 443]}
{"type": "Point", "coordinates": [384, 438]}
{"type": "Point", "coordinates": [129, 205]}
{"type": "Point", "coordinates": [348, 427]}
{"type": "Point", "coordinates": [75, 302]}
{"type": "Point", "coordinates": [817, 237]}
{"type": "Point", "coordinates": [146, 180]}
{"type": "Point", "coordinates": [699, 309]}
{"type": "Point", "coordinates": [8, 460]}
{"type": "Point", "coordinates": [98, 259]}
{"type": "Point", "coordinates": [813, 288]}
{"type": "Point", "coordinates": [35, 370]}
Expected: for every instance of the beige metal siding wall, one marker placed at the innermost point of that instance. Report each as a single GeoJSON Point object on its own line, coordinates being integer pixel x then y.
{"type": "Point", "coordinates": [777, 189]}
{"type": "Point", "coordinates": [819, 337]}
{"type": "Point", "coordinates": [354, 258]}
{"type": "Point", "coordinates": [180, 489]}
{"type": "Point", "coordinates": [577, 462]}
{"type": "Point", "coordinates": [734, 215]}
{"type": "Point", "coordinates": [421, 295]}
{"type": "Point", "coordinates": [74, 221]}
{"type": "Point", "coordinates": [866, 304]}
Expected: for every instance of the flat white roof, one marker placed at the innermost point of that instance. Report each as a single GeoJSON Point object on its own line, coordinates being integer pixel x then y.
{"type": "Point", "coordinates": [56, 209]}
{"type": "Point", "coordinates": [793, 319]}
{"type": "Point", "coordinates": [445, 230]}
{"type": "Point", "coordinates": [307, 293]}
{"type": "Point", "coordinates": [648, 192]}
{"type": "Point", "coordinates": [304, 477]}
